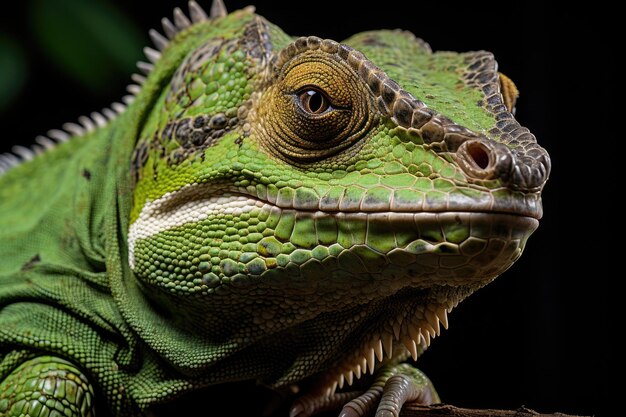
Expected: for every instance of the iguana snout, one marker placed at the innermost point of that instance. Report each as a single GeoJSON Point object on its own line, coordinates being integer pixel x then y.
{"type": "Point", "coordinates": [483, 159]}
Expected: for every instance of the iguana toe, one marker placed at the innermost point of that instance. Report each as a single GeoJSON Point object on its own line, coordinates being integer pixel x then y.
{"type": "Point", "coordinates": [394, 386]}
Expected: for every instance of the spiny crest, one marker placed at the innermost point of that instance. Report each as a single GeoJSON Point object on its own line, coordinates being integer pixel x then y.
{"type": "Point", "coordinates": [88, 124]}
{"type": "Point", "coordinates": [407, 333]}
{"type": "Point", "coordinates": [170, 30]}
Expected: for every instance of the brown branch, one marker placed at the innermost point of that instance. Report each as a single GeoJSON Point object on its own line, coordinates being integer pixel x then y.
{"type": "Point", "coordinates": [445, 410]}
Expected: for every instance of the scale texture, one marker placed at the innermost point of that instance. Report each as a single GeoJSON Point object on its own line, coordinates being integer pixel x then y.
{"type": "Point", "coordinates": [296, 212]}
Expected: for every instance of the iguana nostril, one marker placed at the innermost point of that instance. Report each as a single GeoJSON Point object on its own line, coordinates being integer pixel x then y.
{"type": "Point", "coordinates": [479, 154]}
{"type": "Point", "coordinates": [482, 159]}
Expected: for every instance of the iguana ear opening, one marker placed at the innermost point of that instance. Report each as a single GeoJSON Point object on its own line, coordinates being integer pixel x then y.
{"type": "Point", "coordinates": [509, 92]}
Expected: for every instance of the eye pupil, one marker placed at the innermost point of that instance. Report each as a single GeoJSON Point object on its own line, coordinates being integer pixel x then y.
{"type": "Point", "coordinates": [314, 102]}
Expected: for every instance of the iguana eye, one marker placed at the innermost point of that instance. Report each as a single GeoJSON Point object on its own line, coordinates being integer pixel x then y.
{"type": "Point", "coordinates": [313, 101]}
{"type": "Point", "coordinates": [315, 105]}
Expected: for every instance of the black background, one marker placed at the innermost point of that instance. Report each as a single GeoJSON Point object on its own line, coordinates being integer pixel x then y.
{"type": "Point", "coordinates": [539, 335]}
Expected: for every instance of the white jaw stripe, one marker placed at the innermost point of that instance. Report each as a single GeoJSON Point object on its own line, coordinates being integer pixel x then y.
{"type": "Point", "coordinates": [167, 212]}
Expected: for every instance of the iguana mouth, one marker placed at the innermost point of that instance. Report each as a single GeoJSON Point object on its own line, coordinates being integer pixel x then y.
{"type": "Point", "coordinates": [197, 202]}
{"type": "Point", "coordinates": [208, 197]}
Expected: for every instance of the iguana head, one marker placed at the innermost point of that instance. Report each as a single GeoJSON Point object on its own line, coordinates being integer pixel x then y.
{"type": "Point", "coordinates": [304, 204]}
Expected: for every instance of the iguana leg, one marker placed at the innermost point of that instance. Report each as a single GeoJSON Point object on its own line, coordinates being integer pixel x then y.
{"type": "Point", "coordinates": [46, 386]}
{"type": "Point", "coordinates": [394, 386]}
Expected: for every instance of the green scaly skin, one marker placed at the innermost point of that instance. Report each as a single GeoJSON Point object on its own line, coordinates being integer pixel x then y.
{"type": "Point", "coordinates": [295, 212]}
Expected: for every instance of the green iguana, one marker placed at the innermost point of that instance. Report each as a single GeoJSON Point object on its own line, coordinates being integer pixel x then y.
{"type": "Point", "coordinates": [297, 212]}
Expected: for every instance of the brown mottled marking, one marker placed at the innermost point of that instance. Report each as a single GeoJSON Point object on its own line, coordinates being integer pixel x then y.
{"type": "Point", "coordinates": [509, 91]}
{"type": "Point", "coordinates": [31, 262]}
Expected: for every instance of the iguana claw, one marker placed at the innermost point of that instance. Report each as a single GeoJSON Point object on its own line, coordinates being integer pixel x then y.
{"type": "Point", "coordinates": [394, 386]}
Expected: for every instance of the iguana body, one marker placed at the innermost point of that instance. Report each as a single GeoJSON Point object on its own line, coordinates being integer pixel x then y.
{"type": "Point", "coordinates": [287, 211]}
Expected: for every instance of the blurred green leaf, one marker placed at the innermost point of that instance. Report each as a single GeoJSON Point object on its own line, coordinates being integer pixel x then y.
{"type": "Point", "coordinates": [92, 41]}
{"type": "Point", "coordinates": [13, 71]}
